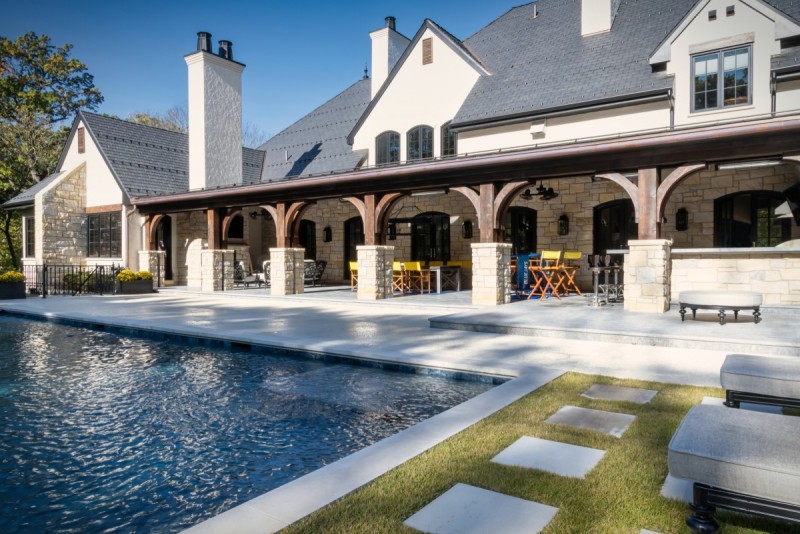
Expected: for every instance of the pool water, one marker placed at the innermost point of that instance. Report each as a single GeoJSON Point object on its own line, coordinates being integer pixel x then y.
{"type": "Point", "coordinates": [105, 433]}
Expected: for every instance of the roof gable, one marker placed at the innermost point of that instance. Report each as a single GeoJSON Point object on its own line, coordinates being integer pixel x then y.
{"type": "Point", "coordinates": [444, 36]}
{"type": "Point", "coordinates": [785, 26]}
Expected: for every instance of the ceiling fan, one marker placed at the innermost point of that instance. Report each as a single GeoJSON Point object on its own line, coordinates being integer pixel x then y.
{"type": "Point", "coordinates": [546, 193]}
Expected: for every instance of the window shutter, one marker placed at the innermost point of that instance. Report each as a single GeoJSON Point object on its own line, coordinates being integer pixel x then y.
{"type": "Point", "coordinates": [81, 141]}
{"type": "Point", "coordinates": [427, 51]}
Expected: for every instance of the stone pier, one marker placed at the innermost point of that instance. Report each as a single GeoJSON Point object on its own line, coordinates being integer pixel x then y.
{"type": "Point", "coordinates": [647, 276]}
{"type": "Point", "coordinates": [491, 273]}
{"type": "Point", "coordinates": [153, 261]}
{"type": "Point", "coordinates": [375, 272]}
{"type": "Point", "coordinates": [286, 271]}
{"type": "Point", "coordinates": [216, 270]}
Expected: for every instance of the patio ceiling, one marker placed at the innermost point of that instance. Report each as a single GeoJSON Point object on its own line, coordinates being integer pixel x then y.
{"type": "Point", "coordinates": [758, 139]}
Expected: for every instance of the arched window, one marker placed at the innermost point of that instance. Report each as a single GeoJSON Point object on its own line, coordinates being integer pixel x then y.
{"type": "Point", "coordinates": [308, 238]}
{"type": "Point", "coordinates": [747, 219]}
{"type": "Point", "coordinates": [420, 143]}
{"type": "Point", "coordinates": [614, 225]}
{"type": "Point", "coordinates": [430, 237]}
{"type": "Point", "coordinates": [449, 141]}
{"type": "Point", "coordinates": [387, 148]}
{"type": "Point", "coordinates": [236, 228]}
{"type": "Point", "coordinates": [520, 230]}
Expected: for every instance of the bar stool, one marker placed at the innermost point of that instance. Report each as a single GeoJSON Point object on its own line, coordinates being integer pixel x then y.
{"type": "Point", "coordinates": [597, 267]}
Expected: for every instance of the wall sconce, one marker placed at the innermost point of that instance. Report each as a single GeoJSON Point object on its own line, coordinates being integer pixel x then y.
{"type": "Point", "coordinates": [327, 234]}
{"type": "Point", "coordinates": [261, 213]}
{"type": "Point", "coordinates": [563, 225]}
{"type": "Point", "coordinates": [392, 232]}
{"type": "Point", "coordinates": [681, 220]}
{"type": "Point", "coordinates": [466, 229]}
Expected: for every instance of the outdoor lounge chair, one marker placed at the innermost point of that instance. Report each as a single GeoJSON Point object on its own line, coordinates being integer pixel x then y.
{"type": "Point", "coordinates": [760, 380]}
{"type": "Point", "coordinates": [242, 277]}
{"type": "Point", "coordinates": [741, 460]}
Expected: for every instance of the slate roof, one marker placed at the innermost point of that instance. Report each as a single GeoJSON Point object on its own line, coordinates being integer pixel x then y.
{"type": "Point", "coordinates": [26, 197]}
{"type": "Point", "coordinates": [543, 64]}
{"type": "Point", "coordinates": [146, 161]}
{"type": "Point", "coordinates": [317, 143]}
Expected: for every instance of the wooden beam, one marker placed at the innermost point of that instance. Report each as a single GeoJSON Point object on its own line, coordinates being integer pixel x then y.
{"type": "Point", "coordinates": [214, 229]}
{"type": "Point", "coordinates": [371, 236]}
{"type": "Point", "coordinates": [669, 184]}
{"type": "Point", "coordinates": [649, 224]}
{"type": "Point", "coordinates": [486, 214]}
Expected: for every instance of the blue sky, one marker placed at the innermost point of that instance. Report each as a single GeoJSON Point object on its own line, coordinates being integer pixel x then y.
{"type": "Point", "coordinates": [298, 54]}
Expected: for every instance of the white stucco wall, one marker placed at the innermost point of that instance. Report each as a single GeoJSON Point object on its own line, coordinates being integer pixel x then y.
{"type": "Point", "coordinates": [702, 35]}
{"type": "Point", "coordinates": [215, 120]}
{"type": "Point", "coordinates": [586, 125]}
{"type": "Point", "coordinates": [419, 94]}
{"type": "Point", "coordinates": [102, 188]}
{"type": "Point", "coordinates": [788, 96]}
{"type": "Point", "coordinates": [387, 47]}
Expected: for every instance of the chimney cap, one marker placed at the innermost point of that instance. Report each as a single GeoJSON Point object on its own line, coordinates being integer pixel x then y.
{"type": "Point", "coordinates": [390, 22]}
{"type": "Point", "coordinates": [226, 49]}
{"type": "Point", "coordinates": [203, 41]}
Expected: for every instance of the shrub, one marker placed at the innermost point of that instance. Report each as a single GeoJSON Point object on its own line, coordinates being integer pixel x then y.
{"type": "Point", "coordinates": [10, 277]}
{"type": "Point", "coordinates": [126, 275]}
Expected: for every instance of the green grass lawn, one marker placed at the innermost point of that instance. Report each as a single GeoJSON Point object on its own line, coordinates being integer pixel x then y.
{"type": "Point", "coordinates": [621, 494]}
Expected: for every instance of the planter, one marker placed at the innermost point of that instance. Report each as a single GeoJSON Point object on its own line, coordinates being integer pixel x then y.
{"type": "Point", "coordinates": [12, 290]}
{"type": "Point", "coordinates": [135, 287]}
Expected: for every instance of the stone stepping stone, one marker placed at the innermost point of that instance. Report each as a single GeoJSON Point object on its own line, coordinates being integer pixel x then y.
{"type": "Point", "coordinates": [678, 489]}
{"type": "Point", "coordinates": [619, 393]}
{"type": "Point", "coordinates": [763, 408]}
{"type": "Point", "coordinates": [465, 509]}
{"type": "Point", "coordinates": [611, 423]}
{"type": "Point", "coordinates": [645, 531]}
{"type": "Point", "coordinates": [551, 456]}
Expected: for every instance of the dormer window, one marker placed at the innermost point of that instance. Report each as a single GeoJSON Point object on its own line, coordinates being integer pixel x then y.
{"type": "Point", "coordinates": [721, 79]}
{"type": "Point", "coordinates": [448, 141]}
{"type": "Point", "coordinates": [420, 143]}
{"type": "Point", "coordinates": [387, 148]}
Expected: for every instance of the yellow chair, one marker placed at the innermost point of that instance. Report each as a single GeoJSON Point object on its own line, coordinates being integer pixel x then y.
{"type": "Point", "coordinates": [546, 279]}
{"type": "Point", "coordinates": [353, 275]}
{"type": "Point", "coordinates": [572, 262]}
{"type": "Point", "coordinates": [399, 277]}
{"type": "Point", "coordinates": [418, 277]}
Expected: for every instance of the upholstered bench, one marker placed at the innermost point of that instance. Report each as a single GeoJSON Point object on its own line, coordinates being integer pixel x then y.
{"type": "Point", "coordinates": [761, 380]}
{"type": "Point", "coordinates": [741, 460]}
{"type": "Point", "coordinates": [720, 300]}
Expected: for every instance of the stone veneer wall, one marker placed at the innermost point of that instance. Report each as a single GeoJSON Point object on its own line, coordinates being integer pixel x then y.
{"type": "Point", "coordinates": [61, 229]}
{"type": "Point", "coordinates": [153, 261]}
{"type": "Point", "coordinates": [647, 276]}
{"type": "Point", "coordinates": [776, 276]}
{"type": "Point", "coordinates": [375, 272]}
{"type": "Point", "coordinates": [698, 192]}
{"type": "Point", "coordinates": [191, 232]}
{"type": "Point", "coordinates": [334, 214]}
{"type": "Point", "coordinates": [216, 270]}
{"type": "Point", "coordinates": [491, 275]}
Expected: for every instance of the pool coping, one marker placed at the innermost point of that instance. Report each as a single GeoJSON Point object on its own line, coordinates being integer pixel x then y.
{"type": "Point", "coordinates": [282, 506]}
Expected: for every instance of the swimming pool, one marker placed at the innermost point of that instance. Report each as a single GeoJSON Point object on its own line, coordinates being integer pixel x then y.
{"type": "Point", "coordinates": [102, 432]}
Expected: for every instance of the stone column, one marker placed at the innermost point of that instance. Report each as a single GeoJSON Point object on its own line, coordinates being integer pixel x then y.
{"type": "Point", "coordinates": [491, 273]}
{"type": "Point", "coordinates": [375, 272]}
{"type": "Point", "coordinates": [216, 270]}
{"type": "Point", "coordinates": [286, 271]}
{"type": "Point", "coordinates": [647, 275]}
{"type": "Point", "coordinates": [153, 261]}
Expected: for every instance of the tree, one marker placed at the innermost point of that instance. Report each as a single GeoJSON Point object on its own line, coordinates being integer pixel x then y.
{"type": "Point", "coordinates": [176, 119]}
{"type": "Point", "coordinates": [40, 87]}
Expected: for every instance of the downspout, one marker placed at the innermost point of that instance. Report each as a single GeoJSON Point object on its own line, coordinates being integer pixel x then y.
{"type": "Point", "coordinates": [773, 91]}
{"type": "Point", "coordinates": [671, 99]}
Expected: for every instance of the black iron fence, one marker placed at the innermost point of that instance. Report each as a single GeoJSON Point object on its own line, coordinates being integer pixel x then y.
{"type": "Point", "coordinates": [44, 280]}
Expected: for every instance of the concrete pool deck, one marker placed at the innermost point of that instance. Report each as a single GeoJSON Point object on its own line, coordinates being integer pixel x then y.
{"type": "Point", "coordinates": [531, 340]}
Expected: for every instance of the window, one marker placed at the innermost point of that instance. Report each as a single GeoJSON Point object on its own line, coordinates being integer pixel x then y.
{"type": "Point", "coordinates": [448, 141]}
{"type": "Point", "coordinates": [614, 225]}
{"type": "Point", "coordinates": [308, 238]}
{"type": "Point", "coordinates": [81, 141]}
{"type": "Point", "coordinates": [427, 51]}
{"type": "Point", "coordinates": [30, 237]}
{"type": "Point", "coordinates": [420, 143]}
{"type": "Point", "coordinates": [236, 228]}
{"type": "Point", "coordinates": [105, 235]}
{"type": "Point", "coordinates": [721, 79]}
{"type": "Point", "coordinates": [520, 230]}
{"type": "Point", "coordinates": [387, 148]}
{"type": "Point", "coordinates": [748, 220]}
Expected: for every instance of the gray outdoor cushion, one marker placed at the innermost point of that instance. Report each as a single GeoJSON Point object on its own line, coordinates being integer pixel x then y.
{"type": "Point", "coordinates": [723, 299]}
{"type": "Point", "coordinates": [765, 375]}
{"type": "Point", "coordinates": [739, 450]}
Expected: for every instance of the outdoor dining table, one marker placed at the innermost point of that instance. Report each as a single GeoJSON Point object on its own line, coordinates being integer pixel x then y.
{"type": "Point", "coordinates": [447, 275]}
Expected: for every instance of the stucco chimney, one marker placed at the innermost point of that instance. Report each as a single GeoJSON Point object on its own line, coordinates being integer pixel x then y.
{"type": "Point", "coordinates": [597, 16]}
{"type": "Point", "coordinates": [387, 47]}
{"type": "Point", "coordinates": [215, 115]}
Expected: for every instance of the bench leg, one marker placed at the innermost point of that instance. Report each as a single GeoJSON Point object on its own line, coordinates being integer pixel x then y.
{"type": "Point", "coordinates": [683, 312]}
{"type": "Point", "coordinates": [735, 315]}
{"type": "Point", "coordinates": [757, 315]}
{"type": "Point", "coordinates": [694, 313]}
{"type": "Point", "coordinates": [722, 316]}
{"type": "Point", "coordinates": [702, 519]}
{"type": "Point", "coordinates": [730, 399]}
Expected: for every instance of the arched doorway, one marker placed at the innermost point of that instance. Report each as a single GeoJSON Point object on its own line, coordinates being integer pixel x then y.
{"type": "Point", "coordinates": [520, 230]}
{"type": "Point", "coordinates": [430, 237]}
{"type": "Point", "coordinates": [614, 225]}
{"type": "Point", "coordinates": [353, 237]}
{"type": "Point", "coordinates": [747, 219]}
{"type": "Point", "coordinates": [308, 238]}
{"type": "Point", "coordinates": [164, 242]}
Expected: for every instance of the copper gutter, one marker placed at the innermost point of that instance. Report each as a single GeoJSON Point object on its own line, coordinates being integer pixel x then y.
{"type": "Point", "coordinates": [773, 137]}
